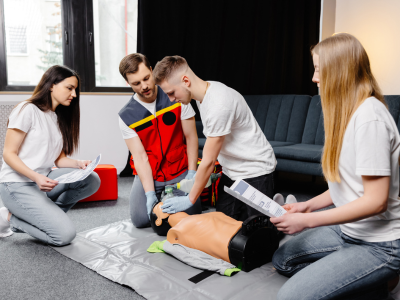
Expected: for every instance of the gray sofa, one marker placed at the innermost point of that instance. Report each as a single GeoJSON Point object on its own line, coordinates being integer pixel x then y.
{"type": "Point", "coordinates": [293, 124]}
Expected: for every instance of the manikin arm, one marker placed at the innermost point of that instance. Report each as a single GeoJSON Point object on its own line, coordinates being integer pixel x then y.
{"type": "Point", "coordinates": [192, 142]}
{"type": "Point", "coordinates": [142, 164]}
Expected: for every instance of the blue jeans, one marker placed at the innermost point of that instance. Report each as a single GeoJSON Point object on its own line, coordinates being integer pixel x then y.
{"type": "Point", "coordinates": [324, 263]}
{"type": "Point", "coordinates": [137, 200]}
{"type": "Point", "coordinates": [43, 215]}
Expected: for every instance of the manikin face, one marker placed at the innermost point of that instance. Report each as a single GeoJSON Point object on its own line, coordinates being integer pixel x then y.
{"type": "Point", "coordinates": [142, 82]}
{"type": "Point", "coordinates": [64, 92]}
{"type": "Point", "coordinates": [316, 69]}
{"type": "Point", "coordinates": [178, 92]}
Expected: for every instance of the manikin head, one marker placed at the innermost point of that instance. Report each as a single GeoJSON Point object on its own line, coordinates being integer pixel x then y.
{"type": "Point", "coordinates": [159, 220]}
{"type": "Point", "coordinates": [175, 78]}
{"type": "Point", "coordinates": [136, 70]}
{"type": "Point", "coordinates": [162, 222]}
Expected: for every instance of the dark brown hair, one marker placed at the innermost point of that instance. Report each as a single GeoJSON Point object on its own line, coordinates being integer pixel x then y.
{"type": "Point", "coordinates": [165, 67]}
{"type": "Point", "coordinates": [131, 62]}
{"type": "Point", "coordinates": [68, 116]}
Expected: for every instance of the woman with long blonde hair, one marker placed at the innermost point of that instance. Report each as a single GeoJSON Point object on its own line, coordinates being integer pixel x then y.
{"type": "Point", "coordinates": [353, 250]}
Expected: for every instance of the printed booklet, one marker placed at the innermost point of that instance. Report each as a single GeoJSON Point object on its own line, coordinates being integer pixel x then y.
{"type": "Point", "coordinates": [254, 198]}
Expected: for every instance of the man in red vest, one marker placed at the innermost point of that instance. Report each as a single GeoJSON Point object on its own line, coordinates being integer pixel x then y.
{"type": "Point", "coordinates": [161, 136]}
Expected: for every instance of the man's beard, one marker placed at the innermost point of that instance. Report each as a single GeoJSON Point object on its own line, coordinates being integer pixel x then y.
{"type": "Point", "coordinates": [153, 90]}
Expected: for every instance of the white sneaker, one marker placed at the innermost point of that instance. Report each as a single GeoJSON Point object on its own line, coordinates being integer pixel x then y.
{"type": "Point", "coordinates": [291, 199]}
{"type": "Point", "coordinates": [395, 293]}
{"type": "Point", "coordinates": [4, 224]}
{"type": "Point", "coordinates": [278, 198]}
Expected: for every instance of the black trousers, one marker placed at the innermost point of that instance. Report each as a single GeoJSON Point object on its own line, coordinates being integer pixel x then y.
{"type": "Point", "coordinates": [235, 208]}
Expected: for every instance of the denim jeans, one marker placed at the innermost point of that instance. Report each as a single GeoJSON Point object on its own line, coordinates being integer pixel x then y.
{"type": "Point", "coordinates": [137, 200]}
{"type": "Point", "coordinates": [324, 263]}
{"type": "Point", "coordinates": [43, 215]}
{"type": "Point", "coordinates": [235, 208]}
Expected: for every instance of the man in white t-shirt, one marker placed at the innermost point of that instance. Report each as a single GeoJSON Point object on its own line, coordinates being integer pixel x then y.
{"type": "Point", "coordinates": [233, 136]}
{"type": "Point", "coordinates": [161, 137]}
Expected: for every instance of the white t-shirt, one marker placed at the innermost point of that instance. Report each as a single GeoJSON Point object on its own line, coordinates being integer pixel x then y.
{"type": "Point", "coordinates": [245, 153]}
{"type": "Point", "coordinates": [186, 113]}
{"type": "Point", "coordinates": [42, 144]}
{"type": "Point", "coordinates": [371, 146]}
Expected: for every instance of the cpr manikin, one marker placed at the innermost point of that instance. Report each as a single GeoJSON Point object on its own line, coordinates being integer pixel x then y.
{"type": "Point", "coordinates": [210, 232]}
{"type": "Point", "coordinates": [247, 244]}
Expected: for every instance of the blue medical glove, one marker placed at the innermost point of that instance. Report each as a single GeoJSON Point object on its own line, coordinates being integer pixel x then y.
{"type": "Point", "coordinates": [176, 204]}
{"type": "Point", "coordinates": [151, 200]}
{"type": "Point", "coordinates": [191, 174]}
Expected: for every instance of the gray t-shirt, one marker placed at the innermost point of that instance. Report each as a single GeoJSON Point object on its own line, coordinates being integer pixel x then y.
{"type": "Point", "coordinates": [245, 153]}
{"type": "Point", "coordinates": [371, 147]}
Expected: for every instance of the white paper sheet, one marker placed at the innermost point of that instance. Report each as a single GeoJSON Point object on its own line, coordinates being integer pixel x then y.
{"type": "Point", "coordinates": [254, 198]}
{"type": "Point", "coordinates": [79, 174]}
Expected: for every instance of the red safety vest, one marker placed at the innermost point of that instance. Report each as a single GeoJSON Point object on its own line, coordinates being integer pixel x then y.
{"type": "Point", "coordinates": [161, 136]}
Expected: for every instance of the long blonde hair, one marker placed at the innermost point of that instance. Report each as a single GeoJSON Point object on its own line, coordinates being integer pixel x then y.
{"type": "Point", "coordinates": [346, 81]}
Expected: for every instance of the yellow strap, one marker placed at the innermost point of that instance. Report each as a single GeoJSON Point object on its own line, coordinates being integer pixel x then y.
{"type": "Point", "coordinates": [163, 111]}
{"type": "Point", "coordinates": [149, 118]}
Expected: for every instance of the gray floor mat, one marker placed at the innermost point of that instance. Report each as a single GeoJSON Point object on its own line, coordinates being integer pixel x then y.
{"type": "Point", "coordinates": [118, 252]}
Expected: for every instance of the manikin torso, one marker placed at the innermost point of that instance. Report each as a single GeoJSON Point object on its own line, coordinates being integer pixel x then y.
{"type": "Point", "coordinates": [210, 232]}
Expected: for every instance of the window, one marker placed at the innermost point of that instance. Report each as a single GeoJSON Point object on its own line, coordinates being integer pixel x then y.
{"type": "Point", "coordinates": [89, 36]}
{"type": "Point", "coordinates": [114, 38]}
{"type": "Point", "coordinates": [30, 27]}
{"type": "Point", "coordinates": [16, 40]}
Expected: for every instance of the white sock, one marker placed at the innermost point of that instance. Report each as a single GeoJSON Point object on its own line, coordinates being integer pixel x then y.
{"type": "Point", "coordinates": [278, 198]}
{"type": "Point", "coordinates": [291, 199]}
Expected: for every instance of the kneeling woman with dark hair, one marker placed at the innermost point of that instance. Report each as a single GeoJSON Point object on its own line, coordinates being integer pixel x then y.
{"type": "Point", "coordinates": [41, 132]}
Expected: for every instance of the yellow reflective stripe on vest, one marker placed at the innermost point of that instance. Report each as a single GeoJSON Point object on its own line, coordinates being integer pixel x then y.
{"type": "Point", "coordinates": [160, 112]}
{"type": "Point", "coordinates": [149, 118]}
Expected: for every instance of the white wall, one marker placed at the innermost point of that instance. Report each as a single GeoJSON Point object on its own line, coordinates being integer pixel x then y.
{"type": "Point", "coordinates": [328, 16]}
{"type": "Point", "coordinates": [99, 127]}
{"type": "Point", "coordinates": [376, 23]}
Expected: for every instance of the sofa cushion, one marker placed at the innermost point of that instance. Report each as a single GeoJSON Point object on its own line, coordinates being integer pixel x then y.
{"type": "Point", "coordinates": [281, 117]}
{"type": "Point", "coordinates": [199, 128]}
{"type": "Point", "coordinates": [280, 144]}
{"type": "Point", "coordinates": [301, 152]}
{"type": "Point", "coordinates": [202, 142]}
{"type": "Point", "coordinates": [314, 128]}
{"type": "Point", "coordinates": [302, 167]}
